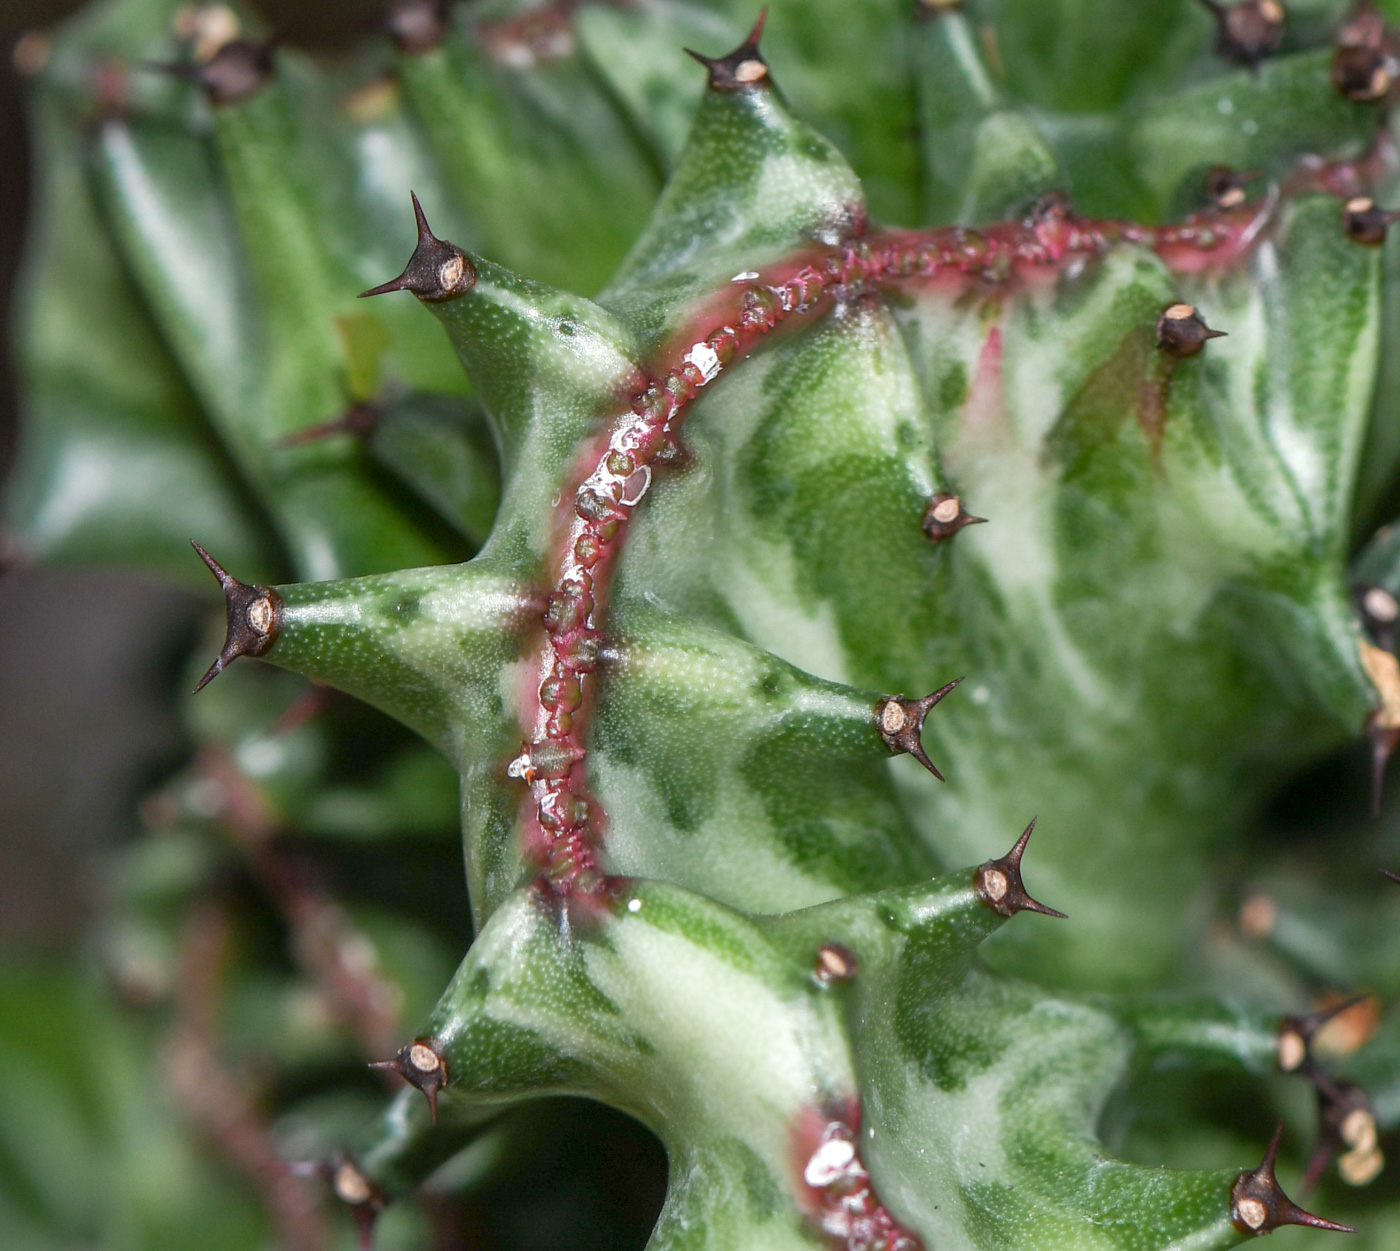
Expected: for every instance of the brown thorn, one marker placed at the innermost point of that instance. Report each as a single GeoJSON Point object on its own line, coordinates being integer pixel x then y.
{"type": "Point", "coordinates": [1346, 1123]}
{"type": "Point", "coordinates": [834, 963]}
{"type": "Point", "coordinates": [353, 1188]}
{"type": "Point", "coordinates": [360, 419]}
{"type": "Point", "coordinates": [1296, 1034]}
{"type": "Point", "coordinates": [1362, 72]}
{"type": "Point", "coordinates": [998, 882]}
{"type": "Point", "coordinates": [744, 69]}
{"type": "Point", "coordinates": [1383, 743]}
{"type": "Point", "coordinates": [1323, 1155]}
{"type": "Point", "coordinates": [1259, 1206]}
{"type": "Point", "coordinates": [1247, 31]}
{"type": "Point", "coordinates": [254, 618]}
{"type": "Point", "coordinates": [1364, 64]}
{"type": "Point", "coordinates": [1394, 877]}
{"type": "Point", "coordinates": [945, 515]}
{"type": "Point", "coordinates": [1226, 186]}
{"type": "Point", "coordinates": [1182, 331]}
{"type": "Point", "coordinates": [239, 69]}
{"type": "Point", "coordinates": [421, 1064]}
{"type": "Point", "coordinates": [900, 722]}
{"type": "Point", "coordinates": [437, 270]}
{"type": "Point", "coordinates": [1365, 222]}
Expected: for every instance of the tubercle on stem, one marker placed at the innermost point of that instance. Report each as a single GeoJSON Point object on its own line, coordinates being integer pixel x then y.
{"type": "Point", "coordinates": [562, 826]}
{"type": "Point", "coordinates": [563, 822]}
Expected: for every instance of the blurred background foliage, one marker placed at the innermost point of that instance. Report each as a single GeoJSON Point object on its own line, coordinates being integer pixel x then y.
{"type": "Point", "coordinates": [92, 677]}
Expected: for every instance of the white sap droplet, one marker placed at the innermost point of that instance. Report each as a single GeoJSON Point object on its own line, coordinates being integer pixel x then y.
{"type": "Point", "coordinates": [634, 905]}
{"type": "Point", "coordinates": [838, 1223]}
{"type": "Point", "coordinates": [705, 359]}
{"type": "Point", "coordinates": [829, 1162]}
{"type": "Point", "coordinates": [747, 276]}
{"type": "Point", "coordinates": [518, 766]}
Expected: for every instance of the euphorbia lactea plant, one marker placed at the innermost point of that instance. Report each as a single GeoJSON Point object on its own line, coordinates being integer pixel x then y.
{"type": "Point", "coordinates": [646, 494]}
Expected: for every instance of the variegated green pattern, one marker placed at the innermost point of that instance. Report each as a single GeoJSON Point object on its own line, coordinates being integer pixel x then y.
{"type": "Point", "coordinates": [1155, 628]}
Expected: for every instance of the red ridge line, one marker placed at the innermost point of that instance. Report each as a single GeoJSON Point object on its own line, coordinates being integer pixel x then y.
{"type": "Point", "coordinates": [562, 827]}
{"type": "Point", "coordinates": [836, 1189]}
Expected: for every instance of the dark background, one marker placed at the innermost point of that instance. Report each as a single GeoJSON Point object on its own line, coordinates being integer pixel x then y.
{"type": "Point", "coordinates": [85, 657]}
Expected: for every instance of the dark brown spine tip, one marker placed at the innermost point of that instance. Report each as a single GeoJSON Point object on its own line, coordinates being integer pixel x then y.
{"type": "Point", "coordinates": [239, 69]}
{"type": "Point", "coordinates": [1394, 877]}
{"type": "Point", "coordinates": [1365, 221]}
{"type": "Point", "coordinates": [998, 883]}
{"type": "Point", "coordinates": [744, 69]}
{"type": "Point", "coordinates": [900, 722]}
{"type": "Point", "coordinates": [834, 963]}
{"type": "Point", "coordinates": [418, 26]}
{"type": "Point", "coordinates": [254, 618]}
{"type": "Point", "coordinates": [1226, 186]}
{"type": "Point", "coordinates": [945, 516]}
{"type": "Point", "coordinates": [1248, 31]}
{"type": "Point", "coordinates": [360, 420]}
{"type": "Point", "coordinates": [1182, 331]}
{"type": "Point", "coordinates": [421, 1063]}
{"type": "Point", "coordinates": [437, 270]}
{"type": "Point", "coordinates": [1383, 740]}
{"type": "Point", "coordinates": [1259, 1206]}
